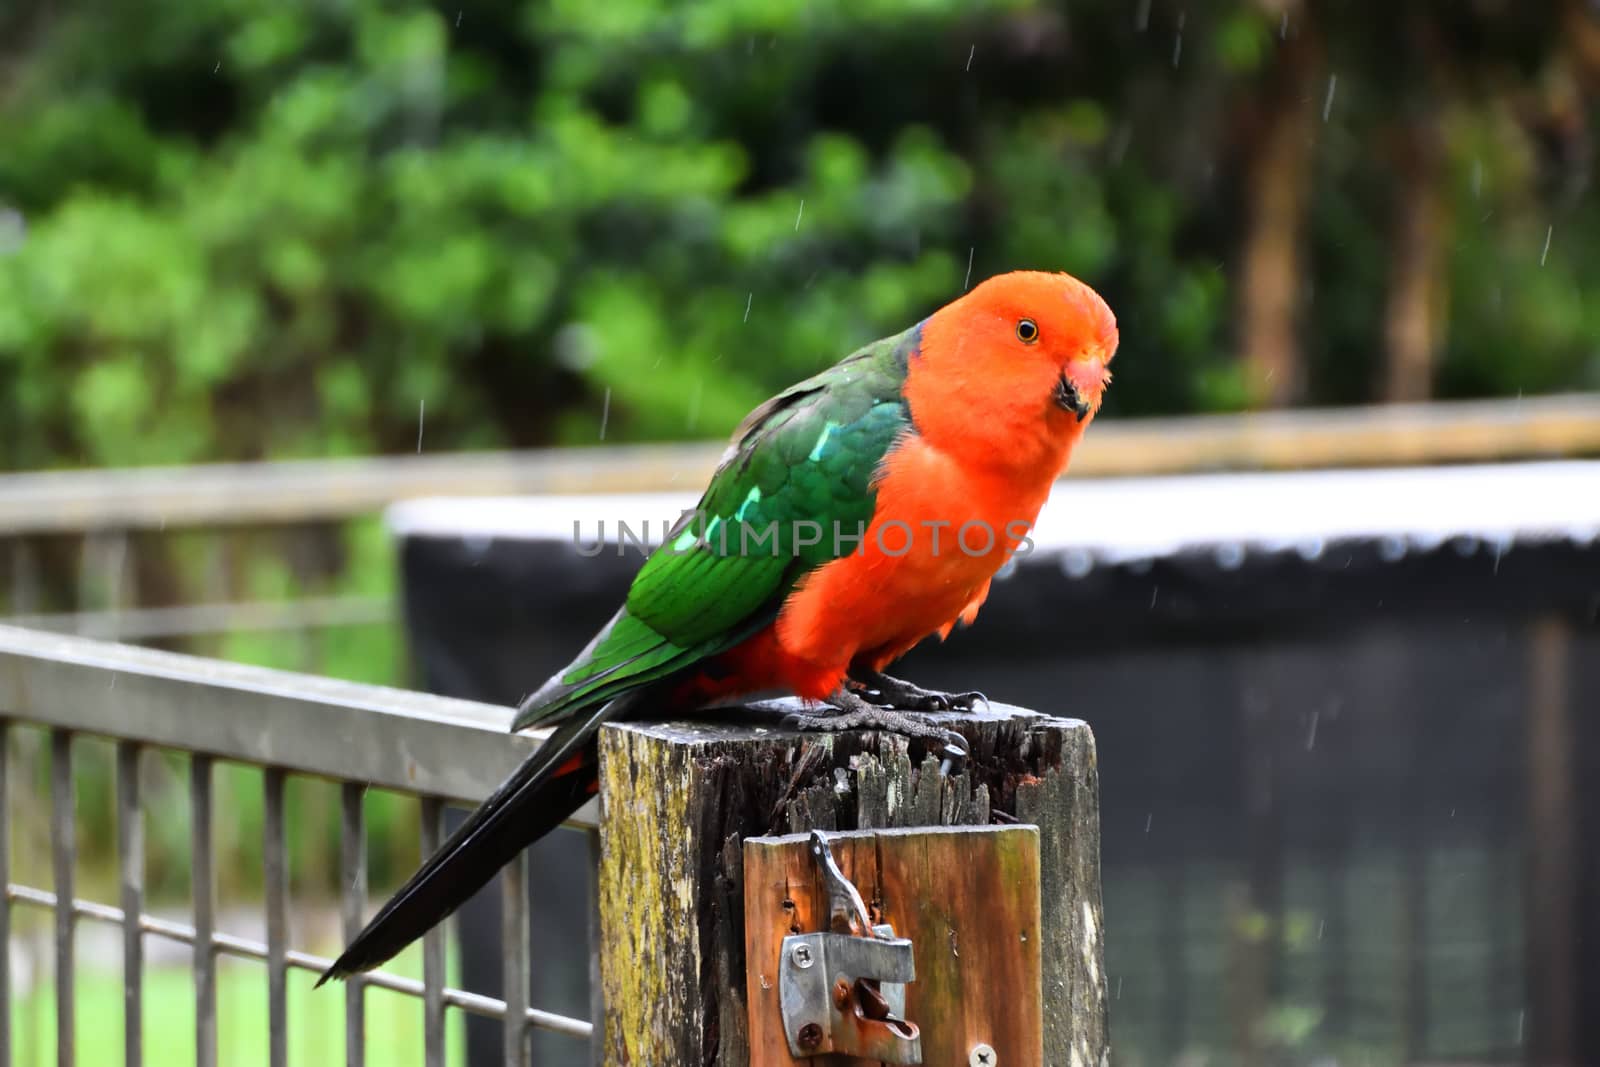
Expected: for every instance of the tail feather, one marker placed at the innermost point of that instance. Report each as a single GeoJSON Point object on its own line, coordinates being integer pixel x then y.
{"type": "Point", "coordinates": [624, 655]}
{"type": "Point", "coordinates": [624, 666]}
{"type": "Point", "coordinates": [540, 794]}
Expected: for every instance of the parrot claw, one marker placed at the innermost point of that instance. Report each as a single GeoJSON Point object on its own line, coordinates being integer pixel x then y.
{"type": "Point", "coordinates": [887, 692]}
{"type": "Point", "coordinates": [851, 712]}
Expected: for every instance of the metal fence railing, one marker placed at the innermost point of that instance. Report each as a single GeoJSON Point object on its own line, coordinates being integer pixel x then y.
{"type": "Point", "coordinates": [437, 749]}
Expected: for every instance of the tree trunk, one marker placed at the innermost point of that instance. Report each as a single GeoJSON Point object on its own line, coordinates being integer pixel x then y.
{"type": "Point", "coordinates": [1416, 290]}
{"type": "Point", "coordinates": [1277, 184]}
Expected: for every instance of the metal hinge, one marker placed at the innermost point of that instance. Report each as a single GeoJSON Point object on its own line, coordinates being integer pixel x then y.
{"type": "Point", "coordinates": [844, 991]}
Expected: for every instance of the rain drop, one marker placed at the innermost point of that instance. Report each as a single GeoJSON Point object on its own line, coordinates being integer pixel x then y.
{"type": "Point", "coordinates": [13, 230]}
{"type": "Point", "coordinates": [693, 413]}
{"type": "Point", "coordinates": [1230, 556]}
{"type": "Point", "coordinates": [422, 412]}
{"type": "Point", "coordinates": [970, 55]}
{"type": "Point", "coordinates": [605, 414]}
{"type": "Point", "coordinates": [1327, 102]}
{"type": "Point", "coordinates": [800, 214]}
{"type": "Point", "coordinates": [1076, 563]}
{"type": "Point", "coordinates": [1120, 141]}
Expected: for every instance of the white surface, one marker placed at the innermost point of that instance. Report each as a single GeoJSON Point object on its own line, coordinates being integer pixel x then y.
{"type": "Point", "coordinates": [1121, 519]}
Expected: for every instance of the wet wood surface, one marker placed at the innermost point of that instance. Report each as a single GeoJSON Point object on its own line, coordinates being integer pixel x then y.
{"type": "Point", "coordinates": [679, 799]}
{"type": "Point", "coordinates": [967, 897]}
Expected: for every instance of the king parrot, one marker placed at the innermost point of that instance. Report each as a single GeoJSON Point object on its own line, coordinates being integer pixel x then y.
{"type": "Point", "coordinates": [852, 515]}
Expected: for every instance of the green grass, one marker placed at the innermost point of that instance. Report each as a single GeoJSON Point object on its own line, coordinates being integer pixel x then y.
{"type": "Point", "coordinates": [316, 1020]}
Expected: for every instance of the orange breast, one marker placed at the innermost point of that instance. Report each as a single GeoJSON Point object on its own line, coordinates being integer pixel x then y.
{"type": "Point", "coordinates": [941, 531]}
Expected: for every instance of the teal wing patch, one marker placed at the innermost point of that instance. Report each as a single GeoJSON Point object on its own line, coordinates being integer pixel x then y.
{"type": "Point", "coordinates": [794, 490]}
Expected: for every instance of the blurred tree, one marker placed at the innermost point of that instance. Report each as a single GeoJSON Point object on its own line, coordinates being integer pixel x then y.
{"type": "Point", "coordinates": [271, 229]}
{"type": "Point", "coordinates": [1279, 111]}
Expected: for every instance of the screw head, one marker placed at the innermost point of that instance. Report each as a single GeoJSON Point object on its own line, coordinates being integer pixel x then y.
{"type": "Point", "coordinates": [982, 1056]}
{"type": "Point", "coordinates": [810, 1036]}
{"type": "Point", "coordinates": [802, 956]}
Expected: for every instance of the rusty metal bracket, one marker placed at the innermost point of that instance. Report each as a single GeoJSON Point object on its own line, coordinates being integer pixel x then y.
{"type": "Point", "coordinates": [844, 991]}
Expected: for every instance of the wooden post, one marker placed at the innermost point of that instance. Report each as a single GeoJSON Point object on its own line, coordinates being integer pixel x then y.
{"type": "Point", "coordinates": [678, 799]}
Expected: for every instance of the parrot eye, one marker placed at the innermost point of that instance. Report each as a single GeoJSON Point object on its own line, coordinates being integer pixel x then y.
{"type": "Point", "coordinates": [1027, 331]}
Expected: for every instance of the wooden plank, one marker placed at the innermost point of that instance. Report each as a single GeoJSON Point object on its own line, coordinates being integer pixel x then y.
{"type": "Point", "coordinates": [1552, 852]}
{"type": "Point", "coordinates": [316, 490]}
{"type": "Point", "coordinates": [967, 897]}
{"type": "Point", "coordinates": [678, 800]}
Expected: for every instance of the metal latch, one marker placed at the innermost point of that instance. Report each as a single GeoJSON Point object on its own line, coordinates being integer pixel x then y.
{"type": "Point", "coordinates": [844, 991]}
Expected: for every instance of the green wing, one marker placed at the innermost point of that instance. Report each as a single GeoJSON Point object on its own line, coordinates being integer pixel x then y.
{"type": "Point", "coordinates": [794, 490]}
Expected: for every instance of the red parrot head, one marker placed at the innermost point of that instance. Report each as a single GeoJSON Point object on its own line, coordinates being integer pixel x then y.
{"type": "Point", "coordinates": [1018, 364]}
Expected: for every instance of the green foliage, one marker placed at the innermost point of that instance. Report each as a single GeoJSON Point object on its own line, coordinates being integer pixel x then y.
{"type": "Point", "coordinates": [393, 1030]}
{"type": "Point", "coordinates": [263, 229]}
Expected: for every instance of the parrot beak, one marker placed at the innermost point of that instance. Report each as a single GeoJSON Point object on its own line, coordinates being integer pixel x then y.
{"type": "Point", "coordinates": [1068, 398]}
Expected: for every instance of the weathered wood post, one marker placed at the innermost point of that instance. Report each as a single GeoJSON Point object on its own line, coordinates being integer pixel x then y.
{"type": "Point", "coordinates": [679, 799]}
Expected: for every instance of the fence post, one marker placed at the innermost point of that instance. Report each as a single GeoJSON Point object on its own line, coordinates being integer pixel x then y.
{"type": "Point", "coordinates": [677, 800]}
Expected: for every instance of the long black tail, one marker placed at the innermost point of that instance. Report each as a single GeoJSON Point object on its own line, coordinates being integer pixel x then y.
{"type": "Point", "coordinates": [549, 786]}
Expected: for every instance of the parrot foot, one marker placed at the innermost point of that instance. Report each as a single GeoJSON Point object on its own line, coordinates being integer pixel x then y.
{"type": "Point", "coordinates": [851, 712]}
{"type": "Point", "coordinates": [887, 692]}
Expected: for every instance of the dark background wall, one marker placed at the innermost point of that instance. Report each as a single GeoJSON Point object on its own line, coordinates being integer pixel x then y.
{"type": "Point", "coordinates": [1346, 796]}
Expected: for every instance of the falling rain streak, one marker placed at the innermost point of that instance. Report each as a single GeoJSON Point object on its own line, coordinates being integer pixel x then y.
{"type": "Point", "coordinates": [1549, 233]}
{"type": "Point", "coordinates": [747, 302]}
{"type": "Point", "coordinates": [422, 414]}
{"type": "Point", "coordinates": [692, 409]}
{"type": "Point", "coordinates": [799, 214]}
{"type": "Point", "coordinates": [1327, 102]}
{"type": "Point", "coordinates": [970, 55]}
{"type": "Point", "coordinates": [967, 284]}
{"type": "Point", "coordinates": [605, 414]}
